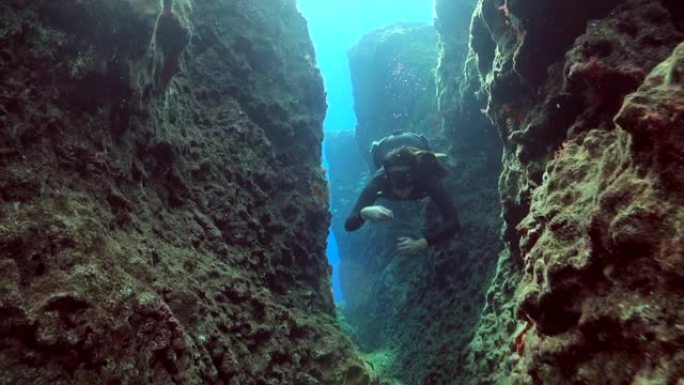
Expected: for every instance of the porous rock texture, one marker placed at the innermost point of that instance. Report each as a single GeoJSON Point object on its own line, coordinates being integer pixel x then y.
{"type": "Point", "coordinates": [416, 314]}
{"type": "Point", "coordinates": [588, 289]}
{"type": "Point", "coordinates": [163, 210]}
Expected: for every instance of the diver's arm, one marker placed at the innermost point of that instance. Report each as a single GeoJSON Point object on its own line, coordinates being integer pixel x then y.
{"type": "Point", "coordinates": [450, 225]}
{"type": "Point", "coordinates": [367, 197]}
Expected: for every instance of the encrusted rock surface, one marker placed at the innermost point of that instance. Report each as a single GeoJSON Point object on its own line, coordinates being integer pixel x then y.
{"type": "Point", "coordinates": [163, 210]}
{"type": "Point", "coordinates": [585, 291]}
{"type": "Point", "coordinates": [603, 272]}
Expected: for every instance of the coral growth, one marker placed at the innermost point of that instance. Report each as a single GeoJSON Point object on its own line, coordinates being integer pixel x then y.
{"type": "Point", "coordinates": [519, 339]}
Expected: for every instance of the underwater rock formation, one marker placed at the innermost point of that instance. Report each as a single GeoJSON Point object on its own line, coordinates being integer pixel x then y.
{"type": "Point", "coordinates": [170, 234]}
{"type": "Point", "coordinates": [604, 275]}
{"type": "Point", "coordinates": [585, 290]}
{"type": "Point", "coordinates": [416, 314]}
{"type": "Point", "coordinates": [171, 37]}
{"type": "Point", "coordinates": [393, 85]}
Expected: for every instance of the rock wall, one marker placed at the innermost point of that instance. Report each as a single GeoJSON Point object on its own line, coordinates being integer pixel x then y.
{"type": "Point", "coordinates": [393, 83]}
{"type": "Point", "coordinates": [592, 225]}
{"type": "Point", "coordinates": [164, 213]}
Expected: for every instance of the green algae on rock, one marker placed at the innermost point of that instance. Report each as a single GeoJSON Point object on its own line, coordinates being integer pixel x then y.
{"type": "Point", "coordinates": [552, 316]}
{"type": "Point", "coordinates": [602, 277]}
{"type": "Point", "coordinates": [168, 234]}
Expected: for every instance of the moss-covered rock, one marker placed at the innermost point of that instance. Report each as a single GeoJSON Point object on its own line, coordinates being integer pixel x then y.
{"type": "Point", "coordinates": [164, 212]}
{"type": "Point", "coordinates": [601, 274]}
{"type": "Point", "coordinates": [553, 102]}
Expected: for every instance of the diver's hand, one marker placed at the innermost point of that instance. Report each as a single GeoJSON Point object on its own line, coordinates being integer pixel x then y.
{"type": "Point", "coordinates": [410, 246]}
{"type": "Point", "coordinates": [376, 213]}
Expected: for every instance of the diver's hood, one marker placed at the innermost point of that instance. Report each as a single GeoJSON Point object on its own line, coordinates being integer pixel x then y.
{"type": "Point", "coordinates": [380, 149]}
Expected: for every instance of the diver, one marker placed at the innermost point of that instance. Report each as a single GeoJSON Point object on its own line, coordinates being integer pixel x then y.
{"type": "Point", "coordinates": [406, 170]}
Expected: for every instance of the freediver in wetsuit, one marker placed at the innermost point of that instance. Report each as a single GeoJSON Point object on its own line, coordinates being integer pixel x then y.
{"type": "Point", "coordinates": [408, 170]}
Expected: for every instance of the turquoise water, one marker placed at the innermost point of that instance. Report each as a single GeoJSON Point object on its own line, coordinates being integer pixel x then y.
{"type": "Point", "coordinates": [335, 26]}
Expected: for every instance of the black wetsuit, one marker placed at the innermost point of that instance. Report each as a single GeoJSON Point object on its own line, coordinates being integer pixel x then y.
{"type": "Point", "coordinates": [426, 186]}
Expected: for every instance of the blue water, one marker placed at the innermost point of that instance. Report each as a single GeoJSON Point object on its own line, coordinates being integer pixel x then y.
{"type": "Point", "coordinates": [335, 26]}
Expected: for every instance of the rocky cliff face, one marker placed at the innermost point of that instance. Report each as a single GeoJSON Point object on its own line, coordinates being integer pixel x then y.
{"type": "Point", "coordinates": [417, 313]}
{"type": "Point", "coordinates": [163, 208]}
{"type": "Point", "coordinates": [586, 290]}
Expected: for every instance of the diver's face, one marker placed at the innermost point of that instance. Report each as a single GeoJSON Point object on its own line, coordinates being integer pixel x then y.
{"type": "Point", "coordinates": [401, 179]}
